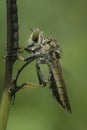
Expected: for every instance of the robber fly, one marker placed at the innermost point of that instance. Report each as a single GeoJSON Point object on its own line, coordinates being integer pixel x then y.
{"type": "Point", "coordinates": [48, 51]}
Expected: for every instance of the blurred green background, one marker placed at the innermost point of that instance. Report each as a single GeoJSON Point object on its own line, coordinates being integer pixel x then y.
{"type": "Point", "coordinates": [36, 109]}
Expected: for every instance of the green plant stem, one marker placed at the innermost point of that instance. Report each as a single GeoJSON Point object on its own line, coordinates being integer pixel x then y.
{"type": "Point", "coordinates": [10, 60]}
{"type": "Point", "coordinates": [4, 110]}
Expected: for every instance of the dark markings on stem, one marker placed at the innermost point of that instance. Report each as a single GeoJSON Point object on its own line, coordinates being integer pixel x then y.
{"type": "Point", "coordinates": [14, 19]}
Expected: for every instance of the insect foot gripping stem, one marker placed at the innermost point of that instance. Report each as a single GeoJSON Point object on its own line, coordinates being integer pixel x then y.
{"type": "Point", "coordinates": [13, 89]}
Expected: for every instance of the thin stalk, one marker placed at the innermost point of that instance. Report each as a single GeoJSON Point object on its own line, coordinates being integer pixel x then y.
{"type": "Point", "coordinates": [11, 44]}
{"type": "Point", "coordinates": [4, 110]}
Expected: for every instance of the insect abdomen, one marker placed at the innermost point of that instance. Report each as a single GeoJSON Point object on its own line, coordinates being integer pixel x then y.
{"type": "Point", "coordinates": [60, 91]}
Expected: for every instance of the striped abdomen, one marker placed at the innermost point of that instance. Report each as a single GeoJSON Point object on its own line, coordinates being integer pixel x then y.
{"type": "Point", "coordinates": [57, 83]}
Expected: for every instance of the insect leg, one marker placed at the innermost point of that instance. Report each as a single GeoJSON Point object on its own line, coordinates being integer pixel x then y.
{"type": "Point", "coordinates": [28, 61]}
{"type": "Point", "coordinates": [14, 87]}
{"type": "Point", "coordinates": [41, 77]}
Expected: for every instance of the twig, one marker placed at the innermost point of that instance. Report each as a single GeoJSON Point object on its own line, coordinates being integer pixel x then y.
{"type": "Point", "coordinates": [12, 44]}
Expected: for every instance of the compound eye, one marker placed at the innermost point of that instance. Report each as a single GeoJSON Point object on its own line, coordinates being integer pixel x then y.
{"type": "Point", "coordinates": [35, 36]}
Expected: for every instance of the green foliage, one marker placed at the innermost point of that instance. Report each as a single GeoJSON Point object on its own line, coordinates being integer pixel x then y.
{"type": "Point", "coordinates": [64, 20]}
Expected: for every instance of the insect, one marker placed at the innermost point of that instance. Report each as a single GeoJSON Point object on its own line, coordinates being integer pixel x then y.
{"type": "Point", "coordinates": [46, 51]}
